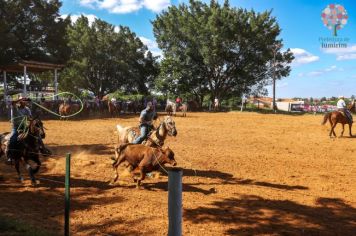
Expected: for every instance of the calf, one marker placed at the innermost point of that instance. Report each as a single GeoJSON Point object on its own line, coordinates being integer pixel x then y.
{"type": "Point", "coordinates": [145, 158]}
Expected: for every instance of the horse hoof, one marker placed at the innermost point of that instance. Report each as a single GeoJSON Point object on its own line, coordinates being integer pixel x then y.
{"type": "Point", "coordinates": [140, 187]}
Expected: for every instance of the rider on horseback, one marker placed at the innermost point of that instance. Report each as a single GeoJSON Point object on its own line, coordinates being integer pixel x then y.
{"type": "Point", "coordinates": [18, 117]}
{"type": "Point", "coordinates": [341, 106]}
{"type": "Point", "coordinates": [146, 122]}
{"type": "Point", "coordinates": [19, 113]}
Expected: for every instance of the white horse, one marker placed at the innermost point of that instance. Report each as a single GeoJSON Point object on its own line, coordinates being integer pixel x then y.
{"type": "Point", "coordinates": [156, 138]}
{"type": "Point", "coordinates": [171, 108]}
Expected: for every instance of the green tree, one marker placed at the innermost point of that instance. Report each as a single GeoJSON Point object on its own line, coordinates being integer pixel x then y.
{"type": "Point", "coordinates": [32, 30]}
{"type": "Point", "coordinates": [104, 61]}
{"type": "Point", "coordinates": [218, 50]}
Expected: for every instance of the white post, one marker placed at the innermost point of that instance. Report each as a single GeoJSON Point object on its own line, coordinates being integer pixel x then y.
{"type": "Point", "coordinates": [242, 103]}
{"type": "Point", "coordinates": [24, 80]}
{"type": "Point", "coordinates": [55, 84]}
{"type": "Point", "coordinates": [5, 85]}
{"type": "Point", "coordinates": [175, 202]}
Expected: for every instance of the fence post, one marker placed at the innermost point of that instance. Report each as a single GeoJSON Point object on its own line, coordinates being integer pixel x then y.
{"type": "Point", "coordinates": [175, 202]}
{"type": "Point", "coordinates": [67, 196]}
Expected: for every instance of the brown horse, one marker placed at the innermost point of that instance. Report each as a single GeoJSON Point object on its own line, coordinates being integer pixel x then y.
{"type": "Point", "coordinates": [114, 108]}
{"type": "Point", "coordinates": [66, 109]}
{"type": "Point", "coordinates": [338, 117]}
{"type": "Point", "coordinates": [183, 108]}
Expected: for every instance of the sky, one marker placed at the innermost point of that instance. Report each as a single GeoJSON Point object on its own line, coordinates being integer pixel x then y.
{"type": "Point", "coordinates": [316, 71]}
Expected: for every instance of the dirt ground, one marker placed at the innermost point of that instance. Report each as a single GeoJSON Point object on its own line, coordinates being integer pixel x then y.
{"type": "Point", "coordinates": [243, 174]}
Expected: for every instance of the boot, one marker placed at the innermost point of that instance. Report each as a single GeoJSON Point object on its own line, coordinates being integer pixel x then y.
{"type": "Point", "coordinates": [9, 158]}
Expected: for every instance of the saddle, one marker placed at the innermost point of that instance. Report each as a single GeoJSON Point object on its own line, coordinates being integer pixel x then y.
{"type": "Point", "coordinates": [349, 118]}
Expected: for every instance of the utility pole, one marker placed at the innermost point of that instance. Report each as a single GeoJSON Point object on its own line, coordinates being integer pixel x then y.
{"type": "Point", "coordinates": [276, 47]}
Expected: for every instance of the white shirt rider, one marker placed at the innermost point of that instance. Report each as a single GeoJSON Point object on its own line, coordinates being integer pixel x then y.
{"type": "Point", "coordinates": [341, 104]}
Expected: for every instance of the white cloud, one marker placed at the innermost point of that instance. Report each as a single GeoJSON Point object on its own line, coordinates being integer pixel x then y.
{"type": "Point", "coordinates": [88, 3]}
{"type": "Point", "coordinates": [74, 18]}
{"type": "Point", "coordinates": [320, 72]}
{"type": "Point", "coordinates": [156, 5]}
{"type": "Point", "coordinates": [126, 6]}
{"type": "Point", "coordinates": [152, 46]}
{"type": "Point", "coordinates": [303, 57]}
{"type": "Point", "coordinates": [342, 54]}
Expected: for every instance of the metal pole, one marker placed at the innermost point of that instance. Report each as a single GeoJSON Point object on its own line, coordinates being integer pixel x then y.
{"type": "Point", "coordinates": [274, 81]}
{"type": "Point", "coordinates": [175, 202]}
{"type": "Point", "coordinates": [5, 85]}
{"type": "Point", "coordinates": [67, 196]}
{"type": "Point", "coordinates": [24, 80]}
{"type": "Point", "coordinates": [55, 83]}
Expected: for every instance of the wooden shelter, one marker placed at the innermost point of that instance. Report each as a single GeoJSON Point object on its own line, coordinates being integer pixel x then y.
{"type": "Point", "coordinates": [32, 67]}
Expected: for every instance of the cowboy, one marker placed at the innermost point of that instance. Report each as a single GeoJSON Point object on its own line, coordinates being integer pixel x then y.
{"type": "Point", "coordinates": [146, 122]}
{"type": "Point", "coordinates": [19, 112]}
{"type": "Point", "coordinates": [341, 106]}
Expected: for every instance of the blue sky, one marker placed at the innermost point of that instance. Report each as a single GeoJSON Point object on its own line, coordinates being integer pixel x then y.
{"type": "Point", "coordinates": [316, 72]}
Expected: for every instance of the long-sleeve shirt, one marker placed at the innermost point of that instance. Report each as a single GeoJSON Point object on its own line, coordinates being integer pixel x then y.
{"type": "Point", "coordinates": [18, 114]}
{"type": "Point", "coordinates": [341, 104]}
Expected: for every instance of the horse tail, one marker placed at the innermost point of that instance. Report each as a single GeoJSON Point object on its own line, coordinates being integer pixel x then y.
{"type": "Point", "coordinates": [326, 117]}
{"type": "Point", "coordinates": [119, 129]}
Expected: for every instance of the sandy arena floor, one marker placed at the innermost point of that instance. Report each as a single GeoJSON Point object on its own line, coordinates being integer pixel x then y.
{"type": "Point", "coordinates": [244, 174]}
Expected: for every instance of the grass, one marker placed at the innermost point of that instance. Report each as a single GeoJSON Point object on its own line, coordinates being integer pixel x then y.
{"type": "Point", "coordinates": [11, 227]}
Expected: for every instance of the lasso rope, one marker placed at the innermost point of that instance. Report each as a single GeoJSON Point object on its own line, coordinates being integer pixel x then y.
{"type": "Point", "coordinates": [59, 115]}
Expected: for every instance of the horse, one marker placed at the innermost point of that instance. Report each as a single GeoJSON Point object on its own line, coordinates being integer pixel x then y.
{"type": "Point", "coordinates": [338, 117]}
{"type": "Point", "coordinates": [156, 137]}
{"type": "Point", "coordinates": [66, 109]}
{"type": "Point", "coordinates": [193, 105]}
{"type": "Point", "coordinates": [146, 159]}
{"type": "Point", "coordinates": [183, 108]}
{"type": "Point", "coordinates": [28, 148]}
{"type": "Point", "coordinates": [171, 108]}
{"type": "Point", "coordinates": [114, 108]}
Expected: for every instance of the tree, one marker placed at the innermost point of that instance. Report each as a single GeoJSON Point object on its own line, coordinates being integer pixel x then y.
{"type": "Point", "coordinates": [218, 50]}
{"type": "Point", "coordinates": [32, 30]}
{"type": "Point", "coordinates": [104, 61]}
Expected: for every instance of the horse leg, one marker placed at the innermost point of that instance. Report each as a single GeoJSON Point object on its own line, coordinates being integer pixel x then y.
{"type": "Point", "coordinates": [30, 173]}
{"type": "Point", "coordinates": [142, 177]}
{"type": "Point", "coordinates": [350, 126]}
{"type": "Point", "coordinates": [332, 129]}
{"type": "Point", "coordinates": [17, 167]}
{"type": "Point", "coordinates": [38, 165]}
{"type": "Point", "coordinates": [343, 129]}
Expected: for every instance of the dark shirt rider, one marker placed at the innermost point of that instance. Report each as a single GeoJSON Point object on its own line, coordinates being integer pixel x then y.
{"type": "Point", "coordinates": [146, 122]}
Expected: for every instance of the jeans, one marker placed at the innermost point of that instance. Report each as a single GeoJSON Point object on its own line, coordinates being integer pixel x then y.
{"type": "Point", "coordinates": [12, 142]}
{"type": "Point", "coordinates": [144, 129]}
{"type": "Point", "coordinates": [347, 113]}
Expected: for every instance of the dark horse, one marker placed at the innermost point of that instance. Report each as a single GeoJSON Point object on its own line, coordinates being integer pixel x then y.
{"type": "Point", "coordinates": [27, 148]}
{"type": "Point", "coordinates": [338, 117]}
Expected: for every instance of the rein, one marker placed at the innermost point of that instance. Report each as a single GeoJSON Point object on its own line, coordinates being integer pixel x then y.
{"type": "Point", "coordinates": [158, 158]}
